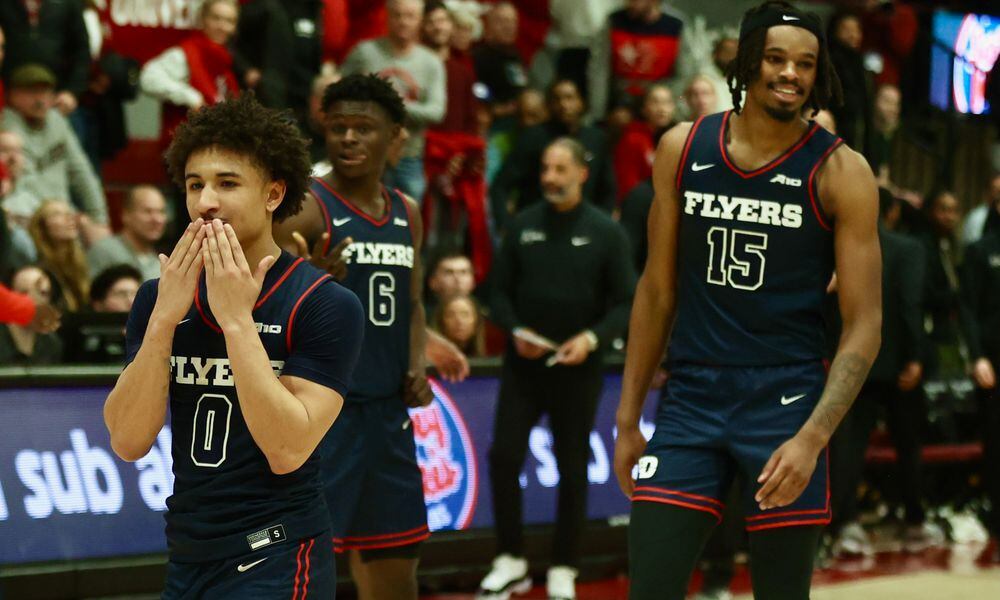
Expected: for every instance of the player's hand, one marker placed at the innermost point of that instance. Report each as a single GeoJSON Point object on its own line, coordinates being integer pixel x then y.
{"type": "Point", "coordinates": [573, 351]}
{"type": "Point", "coordinates": [417, 391]}
{"type": "Point", "coordinates": [334, 263]}
{"type": "Point", "coordinates": [983, 374]}
{"type": "Point", "coordinates": [46, 319]}
{"type": "Point", "coordinates": [449, 361]}
{"type": "Point", "coordinates": [526, 349]}
{"type": "Point", "coordinates": [786, 473]}
{"type": "Point", "coordinates": [179, 275]}
{"type": "Point", "coordinates": [233, 288]}
{"type": "Point", "coordinates": [910, 376]}
{"type": "Point", "coordinates": [629, 447]}
{"type": "Point", "coordinates": [65, 102]}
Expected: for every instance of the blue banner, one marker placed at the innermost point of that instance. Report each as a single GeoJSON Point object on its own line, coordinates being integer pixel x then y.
{"type": "Point", "coordinates": [65, 495]}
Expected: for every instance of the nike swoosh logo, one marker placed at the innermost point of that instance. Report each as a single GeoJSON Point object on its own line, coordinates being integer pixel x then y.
{"type": "Point", "coordinates": [184, 321]}
{"type": "Point", "coordinates": [406, 424]}
{"type": "Point", "coordinates": [339, 222]}
{"type": "Point", "coordinates": [580, 241]}
{"type": "Point", "coordinates": [786, 401]}
{"type": "Point", "coordinates": [696, 167]}
{"type": "Point", "coordinates": [787, 18]}
{"type": "Point", "coordinates": [248, 566]}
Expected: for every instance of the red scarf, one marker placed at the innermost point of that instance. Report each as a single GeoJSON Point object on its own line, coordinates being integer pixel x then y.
{"type": "Point", "coordinates": [210, 68]}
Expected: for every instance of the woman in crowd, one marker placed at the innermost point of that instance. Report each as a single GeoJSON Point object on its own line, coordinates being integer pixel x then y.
{"type": "Point", "coordinates": [460, 319]}
{"type": "Point", "coordinates": [637, 146]}
{"type": "Point", "coordinates": [56, 233]}
{"type": "Point", "coordinates": [22, 344]}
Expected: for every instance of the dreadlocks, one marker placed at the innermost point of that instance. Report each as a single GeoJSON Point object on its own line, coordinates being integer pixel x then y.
{"type": "Point", "coordinates": [745, 68]}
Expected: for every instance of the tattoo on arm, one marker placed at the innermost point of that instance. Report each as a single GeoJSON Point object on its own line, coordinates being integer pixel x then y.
{"type": "Point", "coordinates": [847, 374]}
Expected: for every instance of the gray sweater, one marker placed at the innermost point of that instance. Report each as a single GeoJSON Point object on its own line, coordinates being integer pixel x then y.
{"type": "Point", "coordinates": [55, 166]}
{"type": "Point", "coordinates": [418, 76]}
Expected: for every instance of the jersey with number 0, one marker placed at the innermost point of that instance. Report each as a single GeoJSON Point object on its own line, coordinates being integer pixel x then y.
{"type": "Point", "coordinates": [379, 265]}
{"type": "Point", "coordinates": [755, 252]}
{"type": "Point", "coordinates": [226, 501]}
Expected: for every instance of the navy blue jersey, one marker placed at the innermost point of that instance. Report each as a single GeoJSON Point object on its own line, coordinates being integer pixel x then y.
{"type": "Point", "coordinates": [755, 252]}
{"type": "Point", "coordinates": [226, 501]}
{"type": "Point", "coordinates": [380, 263]}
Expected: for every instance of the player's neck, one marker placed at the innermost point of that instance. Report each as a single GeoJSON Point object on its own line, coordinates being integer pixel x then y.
{"type": "Point", "coordinates": [754, 126]}
{"type": "Point", "coordinates": [365, 193]}
{"type": "Point", "coordinates": [256, 250]}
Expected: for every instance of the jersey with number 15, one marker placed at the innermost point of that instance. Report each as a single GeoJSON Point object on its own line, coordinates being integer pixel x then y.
{"type": "Point", "coordinates": [755, 252]}
{"type": "Point", "coordinates": [379, 267]}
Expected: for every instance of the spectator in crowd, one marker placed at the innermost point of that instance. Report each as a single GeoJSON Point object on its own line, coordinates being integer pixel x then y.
{"type": "Point", "coordinates": [637, 147]}
{"type": "Point", "coordinates": [986, 215]}
{"type": "Point", "coordinates": [196, 72]}
{"type": "Point", "coordinates": [97, 335]}
{"type": "Point", "coordinates": [26, 344]}
{"type": "Point", "coordinates": [17, 249]}
{"type": "Point", "coordinates": [531, 108]}
{"type": "Point", "coordinates": [144, 219]}
{"type": "Point", "coordinates": [854, 115]}
{"type": "Point", "coordinates": [55, 165]}
{"type": "Point", "coordinates": [699, 95]}
{"type": "Point", "coordinates": [460, 320]}
{"type": "Point", "coordinates": [419, 77]}
{"type": "Point", "coordinates": [3, 95]}
{"type": "Point", "coordinates": [56, 234]}
{"type": "Point", "coordinates": [562, 289]}
{"type": "Point", "coordinates": [885, 125]}
{"type": "Point", "coordinates": [449, 275]}
{"type": "Point", "coordinates": [981, 296]}
{"type": "Point", "coordinates": [114, 289]}
{"type": "Point", "coordinates": [640, 48]}
{"type": "Point", "coordinates": [941, 300]}
{"type": "Point", "coordinates": [890, 30]}
{"type": "Point", "coordinates": [825, 120]}
{"type": "Point", "coordinates": [51, 34]}
{"type": "Point", "coordinates": [571, 34]}
{"type": "Point", "coordinates": [498, 63]}
{"type": "Point", "coordinates": [468, 27]}
{"type": "Point", "coordinates": [893, 382]}
{"type": "Point", "coordinates": [282, 43]}
{"type": "Point", "coordinates": [723, 53]}
{"type": "Point", "coordinates": [317, 128]}
{"type": "Point", "coordinates": [460, 111]}
{"type": "Point", "coordinates": [21, 309]}
{"type": "Point", "coordinates": [520, 172]}
{"type": "Point", "coordinates": [633, 218]}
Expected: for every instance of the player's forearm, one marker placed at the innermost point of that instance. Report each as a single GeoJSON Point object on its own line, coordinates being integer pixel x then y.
{"type": "Point", "coordinates": [136, 408]}
{"type": "Point", "coordinates": [652, 316]}
{"type": "Point", "coordinates": [278, 422]}
{"type": "Point", "coordinates": [418, 338]}
{"type": "Point", "coordinates": [859, 344]}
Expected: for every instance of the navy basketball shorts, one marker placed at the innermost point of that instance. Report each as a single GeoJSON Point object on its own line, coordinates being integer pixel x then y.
{"type": "Point", "coordinates": [373, 485]}
{"type": "Point", "coordinates": [297, 570]}
{"type": "Point", "coordinates": [717, 423]}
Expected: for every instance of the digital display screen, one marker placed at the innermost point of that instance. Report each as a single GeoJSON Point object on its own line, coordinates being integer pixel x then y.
{"type": "Point", "coordinates": [963, 51]}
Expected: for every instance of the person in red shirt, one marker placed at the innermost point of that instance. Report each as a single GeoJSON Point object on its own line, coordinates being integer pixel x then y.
{"type": "Point", "coordinates": [20, 309]}
{"type": "Point", "coordinates": [635, 151]}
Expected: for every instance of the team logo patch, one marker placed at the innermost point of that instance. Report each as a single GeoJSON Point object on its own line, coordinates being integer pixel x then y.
{"type": "Point", "coordinates": [447, 462]}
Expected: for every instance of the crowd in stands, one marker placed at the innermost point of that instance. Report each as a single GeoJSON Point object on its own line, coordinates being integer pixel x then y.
{"type": "Point", "coordinates": [487, 86]}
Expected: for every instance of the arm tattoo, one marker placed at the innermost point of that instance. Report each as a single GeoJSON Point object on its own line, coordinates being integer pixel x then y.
{"type": "Point", "coordinates": [847, 374]}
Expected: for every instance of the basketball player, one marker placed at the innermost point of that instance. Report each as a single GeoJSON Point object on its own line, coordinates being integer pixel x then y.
{"type": "Point", "coordinates": [253, 350]}
{"type": "Point", "coordinates": [369, 236]}
{"type": "Point", "coordinates": [754, 209]}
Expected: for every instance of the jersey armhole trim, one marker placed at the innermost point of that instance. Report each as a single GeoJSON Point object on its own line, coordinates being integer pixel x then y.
{"type": "Point", "coordinates": [278, 283]}
{"type": "Point", "coordinates": [681, 166]}
{"type": "Point", "coordinates": [821, 216]}
{"type": "Point", "coordinates": [295, 309]}
{"type": "Point", "coordinates": [204, 317]}
{"type": "Point", "coordinates": [409, 214]}
{"type": "Point", "coordinates": [326, 217]}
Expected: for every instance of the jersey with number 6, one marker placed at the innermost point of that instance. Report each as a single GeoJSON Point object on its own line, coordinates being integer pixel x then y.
{"type": "Point", "coordinates": [226, 501]}
{"type": "Point", "coordinates": [379, 266]}
{"type": "Point", "coordinates": [755, 252]}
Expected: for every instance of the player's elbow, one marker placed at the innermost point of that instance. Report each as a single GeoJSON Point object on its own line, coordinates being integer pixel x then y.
{"type": "Point", "coordinates": [129, 450]}
{"type": "Point", "coordinates": [286, 461]}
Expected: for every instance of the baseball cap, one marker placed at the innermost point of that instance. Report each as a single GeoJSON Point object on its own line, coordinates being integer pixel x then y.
{"type": "Point", "coordinates": [32, 74]}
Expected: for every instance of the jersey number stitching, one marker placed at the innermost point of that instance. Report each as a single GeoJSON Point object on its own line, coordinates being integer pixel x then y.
{"type": "Point", "coordinates": [381, 299]}
{"type": "Point", "coordinates": [210, 434]}
{"type": "Point", "coordinates": [736, 257]}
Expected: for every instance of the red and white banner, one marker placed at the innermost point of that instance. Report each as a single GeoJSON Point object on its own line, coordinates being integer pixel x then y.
{"type": "Point", "coordinates": [141, 29]}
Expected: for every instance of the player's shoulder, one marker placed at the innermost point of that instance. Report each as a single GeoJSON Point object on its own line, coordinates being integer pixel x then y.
{"type": "Point", "coordinates": [326, 293]}
{"type": "Point", "coordinates": [674, 138]}
{"type": "Point", "coordinates": [846, 162]}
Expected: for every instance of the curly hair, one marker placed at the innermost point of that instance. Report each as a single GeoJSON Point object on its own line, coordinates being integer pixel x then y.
{"type": "Point", "coordinates": [745, 68]}
{"type": "Point", "coordinates": [366, 88]}
{"type": "Point", "coordinates": [268, 137]}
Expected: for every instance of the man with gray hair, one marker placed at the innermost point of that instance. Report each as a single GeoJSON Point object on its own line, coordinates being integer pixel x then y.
{"type": "Point", "coordinates": [417, 74]}
{"type": "Point", "coordinates": [144, 218]}
{"type": "Point", "coordinates": [562, 289]}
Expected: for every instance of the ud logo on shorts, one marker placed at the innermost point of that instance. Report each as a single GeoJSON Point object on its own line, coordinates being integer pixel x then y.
{"type": "Point", "coordinates": [647, 467]}
{"type": "Point", "coordinates": [447, 462]}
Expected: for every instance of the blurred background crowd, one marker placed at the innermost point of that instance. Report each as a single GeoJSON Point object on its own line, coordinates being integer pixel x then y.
{"type": "Point", "coordinates": [88, 105]}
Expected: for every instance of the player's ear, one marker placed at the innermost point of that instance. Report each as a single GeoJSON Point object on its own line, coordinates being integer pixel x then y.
{"type": "Point", "coordinates": [275, 194]}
